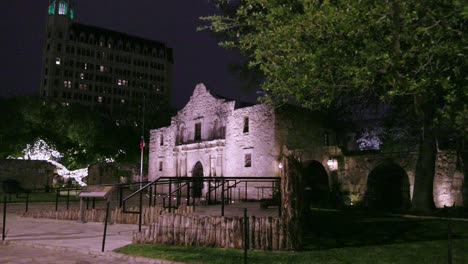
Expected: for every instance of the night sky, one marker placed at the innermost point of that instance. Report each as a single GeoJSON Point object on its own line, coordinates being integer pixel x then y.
{"type": "Point", "coordinates": [197, 55]}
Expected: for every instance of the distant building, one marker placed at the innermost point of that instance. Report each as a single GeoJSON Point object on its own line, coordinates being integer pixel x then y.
{"type": "Point", "coordinates": [108, 71]}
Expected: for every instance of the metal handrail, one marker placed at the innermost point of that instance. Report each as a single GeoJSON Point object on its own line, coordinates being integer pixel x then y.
{"type": "Point", "coordinates": [140, 190]}
{"type": "Point", "coordinates": [170, 194]}
{"type": "Point", "coordinates": [164, 180]}
{"type": "Point", "coordinates": [214, 188]}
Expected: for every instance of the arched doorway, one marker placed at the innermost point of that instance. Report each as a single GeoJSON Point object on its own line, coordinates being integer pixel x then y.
{"type": "Point", "coordinates": [197, 184]}
{"type": "Point", "coordinates": [315, 184]}
{"type": "Point", "coordinates": [388, 187]}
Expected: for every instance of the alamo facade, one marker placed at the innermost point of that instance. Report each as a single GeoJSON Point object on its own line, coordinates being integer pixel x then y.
{"type": "Point", "coordinates": [216, 137]}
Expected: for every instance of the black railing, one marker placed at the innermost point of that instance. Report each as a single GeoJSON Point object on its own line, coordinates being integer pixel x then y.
{"type": "Point", "coordinates": [178, 197]}
{"type": "Point", "coordinates": [224, 185]}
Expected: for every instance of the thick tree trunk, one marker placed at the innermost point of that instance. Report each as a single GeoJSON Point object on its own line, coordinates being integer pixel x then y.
{"type": "Point", "coordinates": [291, 203]}
{"type": "Point", "coordinates": [423, 198]}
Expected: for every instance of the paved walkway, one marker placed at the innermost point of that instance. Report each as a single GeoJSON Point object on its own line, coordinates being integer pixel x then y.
{"type": "Point", "coordinates": [35, 240]}
{"type": "Point", "coordinates": [19, 254]}
{"type": "Point", "coordinates": [59, 241]}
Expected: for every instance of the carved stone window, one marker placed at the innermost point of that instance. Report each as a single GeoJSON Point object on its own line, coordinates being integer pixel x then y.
{"type": "Point", "coordinates": [197, 132]}
{"type": "Point", "coordinates": [246, 124]}
{"type": "Point", "coordinates": [248, 160]}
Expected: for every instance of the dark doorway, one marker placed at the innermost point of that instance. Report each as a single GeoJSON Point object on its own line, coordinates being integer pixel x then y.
{"type": "Point", "coordinates": [388, 188]}
{"type": "Point", "coordinates": [315, 185]}
{"type": "Point", "coordinates": [197, 185]}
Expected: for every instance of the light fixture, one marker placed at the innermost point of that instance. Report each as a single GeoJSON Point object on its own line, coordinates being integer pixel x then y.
{"type": "Point", "coordinates": [280, 165]}
{"type": "Point", "coordinates": [332, 164]}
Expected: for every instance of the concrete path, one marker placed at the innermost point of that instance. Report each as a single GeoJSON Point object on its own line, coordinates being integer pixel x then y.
{"type": "Point", "coordinates": [19, 254]}
{"type": "Point", "coordinates": [35, 240]}
{"type": "Point", "coordinates": [59, 241]}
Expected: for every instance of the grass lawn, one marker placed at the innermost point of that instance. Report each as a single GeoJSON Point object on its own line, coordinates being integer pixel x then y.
{"type": "Point", "coordinates": [42, 197]}
{"type": "Point", "coordinates": [341, 237]}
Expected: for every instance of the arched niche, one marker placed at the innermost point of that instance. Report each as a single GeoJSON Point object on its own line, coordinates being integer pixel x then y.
{"type": "Point", "coordinates": [315, 184]}
{"type": "Point", "coordinates": [388, 188]}
{"type": "Point", "coordinates": [197, 184]}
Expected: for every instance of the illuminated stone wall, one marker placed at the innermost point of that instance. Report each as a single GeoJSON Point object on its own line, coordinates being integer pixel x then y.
{"type": "Point", "coordinates": [448, 182]}
{"type": "Point", "coordinates": [30, 173]}
{"type": "Point", "coordinates": [223, 145]}
{"type": "Point", "coordinates": [259, 142]}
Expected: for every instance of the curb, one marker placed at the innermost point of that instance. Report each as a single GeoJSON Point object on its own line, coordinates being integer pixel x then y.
{"type": "Point", "coordinates": [112, 256]}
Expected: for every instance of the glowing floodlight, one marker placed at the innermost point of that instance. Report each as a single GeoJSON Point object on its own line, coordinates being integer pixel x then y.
{"type": "Point", "coordinates": [332, 164]}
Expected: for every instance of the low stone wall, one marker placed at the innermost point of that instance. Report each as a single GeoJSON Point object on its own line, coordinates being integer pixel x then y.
{"type": "Point", "coordinates": [31, 174]}
{"type": "Point", "coordinates": [265, 233]}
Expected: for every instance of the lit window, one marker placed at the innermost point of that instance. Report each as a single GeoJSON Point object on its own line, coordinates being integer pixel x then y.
{"type": "Point", "coordinates": [62, 8]}
{"type": "Point", "coordinates": [67, 84]}
{"type": "Point", "coordinates": [57, 61]}
{"type": "Point", "coordinates": [246, 125]}
{"type": "Point", "coordinates": [99, 99]}
{"type": "Point", "coordinates": [248, 160]}
{"type": "Point", "coordinates": [119, 82]}
{"type": "Point", "coordinates": [102, 68]}
{"type": "Point", "coordinates": [82, 76]}
{"type": "Point", "coordinates": [52, 8]}
{"type": "Point", "coordinates": [122, 101]}
{"type": "Point", "coordinates": [86, 66]}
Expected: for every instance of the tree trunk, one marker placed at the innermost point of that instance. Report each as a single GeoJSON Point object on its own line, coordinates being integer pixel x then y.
{"type": "Point", "coordinates": [423, 198]}
{"type": "Point", "coordinates": [291, 203]}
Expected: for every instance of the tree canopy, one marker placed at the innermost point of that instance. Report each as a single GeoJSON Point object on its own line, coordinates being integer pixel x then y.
{"type": "Point", "coordinates": [81, 135]}
{"type": "Point", "coordinates": [322, 53]}
{"type": "Point", "coordinates": [318, 52]}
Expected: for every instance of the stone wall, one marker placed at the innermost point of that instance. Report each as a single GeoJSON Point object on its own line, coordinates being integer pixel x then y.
{"type": "Point", "coordinates": [448, 181]}
{"type": "Point", "coordinates": [31, 174]}
{"type": "Point", "coordinates": [355, 169]}
{"type": "Point", "coordinates": [110, 173]}
{"type": "Point", "coordinates": [259, 142]}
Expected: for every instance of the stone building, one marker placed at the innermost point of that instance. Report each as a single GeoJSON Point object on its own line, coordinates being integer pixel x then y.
{"type": "Point", "coordinates": [213, 136]}
{"type": "Point", "coordinates": [107, 71]}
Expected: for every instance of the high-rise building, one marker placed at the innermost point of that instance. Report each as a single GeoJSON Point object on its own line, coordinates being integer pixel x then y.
{"type": "Point", "coordinates": [108, 71]}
